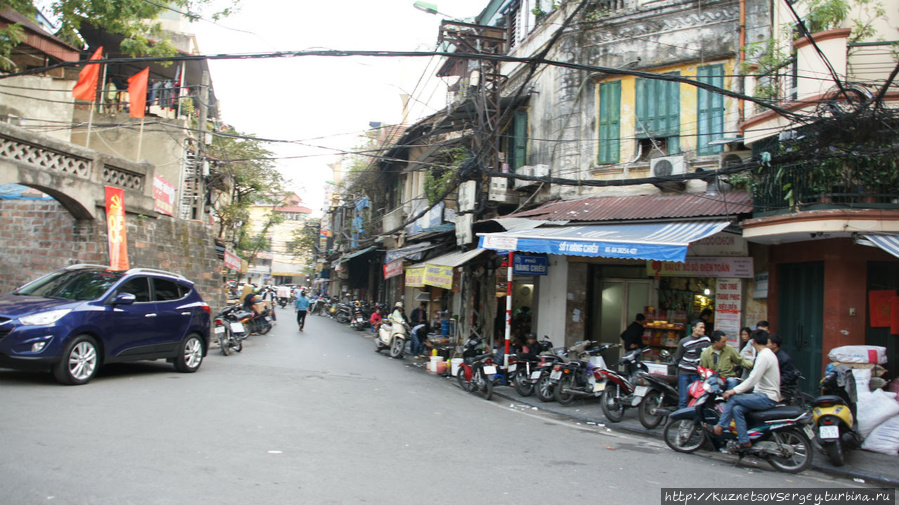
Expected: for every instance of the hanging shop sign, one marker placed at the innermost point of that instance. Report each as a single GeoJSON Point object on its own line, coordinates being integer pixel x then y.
{"type": "Point", "coordinates": [415, 277]}
{"type": "Point", "coordinates": [761, 285]}
{"type": "Point", "coordinates": [728, 308]}
{"type": "Point", "coordinates": [232, 261]}
{"type": "Point", "coordinates": [702, 267]}
{"type": "Point", "coordinates": [527, 264]}
{"type": "Point", "coordinates": [393, 269]}
{"type": "Point", "coordinates": [720, 244]}
{"type": "Point", "coordinates": [439, 276]}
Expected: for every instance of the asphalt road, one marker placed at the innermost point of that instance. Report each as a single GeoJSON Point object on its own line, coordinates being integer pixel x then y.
{"type": "Point", "coordinates": [318, 417]}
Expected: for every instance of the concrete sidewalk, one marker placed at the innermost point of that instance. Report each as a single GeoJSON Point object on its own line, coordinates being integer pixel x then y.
{"type": "Point", "coordinates": [870, 467]}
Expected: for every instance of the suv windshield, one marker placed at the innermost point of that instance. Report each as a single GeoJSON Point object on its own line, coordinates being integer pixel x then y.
{"type": "Point", "coordinates": [77, 285]}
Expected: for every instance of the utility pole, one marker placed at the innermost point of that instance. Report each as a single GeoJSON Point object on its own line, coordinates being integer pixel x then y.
{"type": "Point", "coordinates": [201, 172]}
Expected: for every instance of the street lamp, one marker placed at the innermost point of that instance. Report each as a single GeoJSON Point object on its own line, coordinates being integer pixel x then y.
{"type": "Point", "coordinates": [426, 7]}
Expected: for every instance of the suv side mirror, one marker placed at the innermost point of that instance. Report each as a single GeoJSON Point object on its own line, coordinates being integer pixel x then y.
{"type": "Point", "coordinates": [124, 299]}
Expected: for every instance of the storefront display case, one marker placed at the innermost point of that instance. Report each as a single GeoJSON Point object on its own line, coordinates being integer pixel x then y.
{"type": "Point", "coordinates": [664, 329]}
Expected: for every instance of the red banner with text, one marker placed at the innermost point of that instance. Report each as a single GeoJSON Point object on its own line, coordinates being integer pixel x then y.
{"type": "Point", "coordinates": [115, 228]}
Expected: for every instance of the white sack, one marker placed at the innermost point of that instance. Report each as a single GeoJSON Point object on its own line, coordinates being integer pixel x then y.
{"type": "Point", "coordinates": [884, 438]}
{"type": "Point", "coordinates": [859, 354]}
{"type": "Point", "coordinates": [874, 409]}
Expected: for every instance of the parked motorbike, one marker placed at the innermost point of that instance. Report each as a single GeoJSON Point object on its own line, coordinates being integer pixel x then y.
{"type": "Point", "coordinates": [359, 320]}
{"type": "Point", "coordinates": [392, 336]}
{"type": "Point", "coordinates": [522, 366]}
{"type": "Point", "coordinates": [660, 399]}
{"type": "Point", "coordinates": [621, 390]}
{"type": "Point", "coordinates": [544, 387]}
{"type": "Point", "coordinates": [833, 414]}
{"type": "Point", "coordinates": [229, 331]}
{"type": "Point", "coordinates": [477, 370]}
{"type": "Point", "coordinates": [779, 435]}
{"type": "Point", "coordinates": [257, 324]}
{"type": "Point", "coordinates": [343, 313]}
{"type": "Point", "coordinates": [580, 378]}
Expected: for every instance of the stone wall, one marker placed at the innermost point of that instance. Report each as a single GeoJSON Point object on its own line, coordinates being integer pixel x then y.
{"type": "Point", "coordinates": [41, 236]}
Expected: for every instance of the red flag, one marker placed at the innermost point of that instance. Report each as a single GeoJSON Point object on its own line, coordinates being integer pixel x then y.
{"type": "Point", "coordinates": [86, 87]}
{"type": "Point", "coordinates": [137, 92]}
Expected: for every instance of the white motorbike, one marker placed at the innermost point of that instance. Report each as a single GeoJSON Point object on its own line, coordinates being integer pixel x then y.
{"type": "Point", "coordinates": [391, 336]}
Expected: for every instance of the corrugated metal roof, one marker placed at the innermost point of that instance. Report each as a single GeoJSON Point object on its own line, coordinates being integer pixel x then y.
{"type": "Point", "coordinates": [623, 208]}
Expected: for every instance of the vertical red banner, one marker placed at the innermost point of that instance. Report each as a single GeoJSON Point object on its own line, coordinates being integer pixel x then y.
{"type": "Point", "coordinates": [115, 228]}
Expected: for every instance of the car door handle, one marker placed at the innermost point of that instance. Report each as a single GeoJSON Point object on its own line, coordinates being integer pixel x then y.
{"type": "Point", "coordinates": [185, 313]}
{"type": "Point", "coordinates": [150, 315]}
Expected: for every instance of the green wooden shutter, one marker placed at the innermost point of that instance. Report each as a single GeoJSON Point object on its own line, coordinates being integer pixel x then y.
{"type": "Point", "coordinates": [710, 115]}
{"type": "Point", "coordinates": [519, 141]}
{"type": "Point", "coordinates": [609, 122]}
{"type": "Point", "coordinates": [658, 108]}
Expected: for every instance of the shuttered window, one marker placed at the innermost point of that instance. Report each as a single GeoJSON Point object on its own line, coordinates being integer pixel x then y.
{"type": "Point", "coordinates": [711, 110]}
{"type": "Point", "coordinates": [609, 122]}
{"type": "Point", "coordinates": [658, 110]}
{"type": "Point", "coordinates": [518, 144]}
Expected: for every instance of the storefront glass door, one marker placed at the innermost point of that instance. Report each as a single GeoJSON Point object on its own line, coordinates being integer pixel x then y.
{"type": "Point", "coordinates": [620, 301]}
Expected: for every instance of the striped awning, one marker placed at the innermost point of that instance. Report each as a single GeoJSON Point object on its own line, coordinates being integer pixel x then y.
{"type": "Point", "coordinates": [664, 241]}
{"type": "Point", "coordinates": [886, 241]}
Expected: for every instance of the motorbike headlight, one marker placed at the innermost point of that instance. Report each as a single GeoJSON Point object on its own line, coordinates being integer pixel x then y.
{"type": "Point", "coordinates": [44, 318]}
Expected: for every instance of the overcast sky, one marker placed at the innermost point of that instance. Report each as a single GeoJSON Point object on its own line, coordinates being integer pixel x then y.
{"type": "Point", "coordinates": [325, 103]}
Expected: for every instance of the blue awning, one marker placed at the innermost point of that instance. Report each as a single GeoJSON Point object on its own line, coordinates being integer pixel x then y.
{"type": "Point", "coordinates": [887, 242]}
{"type": "Point", "coordinates": [647, 241]}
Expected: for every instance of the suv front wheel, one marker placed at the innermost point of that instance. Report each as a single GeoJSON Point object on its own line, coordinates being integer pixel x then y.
{"type": "Point", "coordinates": [190, 355]}
{"type": "Point", "coordinates": [79, 362]}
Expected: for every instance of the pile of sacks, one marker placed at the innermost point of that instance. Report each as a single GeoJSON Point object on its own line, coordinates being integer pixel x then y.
{"type": "Point", "coordinates": [878, 405]}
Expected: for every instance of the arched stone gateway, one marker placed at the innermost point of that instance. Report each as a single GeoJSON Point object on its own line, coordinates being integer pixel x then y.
{"type": "Point", "coordinates": [43, 235]}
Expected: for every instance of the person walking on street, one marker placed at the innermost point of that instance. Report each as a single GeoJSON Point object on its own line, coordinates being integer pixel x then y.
{"type": "Point", "coordinates": [633, 335]}
{"type": "Point", "coordinates": [302, 305]}
{"type": "Point", "coordinates": [760, 391]}
{"type": "Point", "coordinates": [687, 357]}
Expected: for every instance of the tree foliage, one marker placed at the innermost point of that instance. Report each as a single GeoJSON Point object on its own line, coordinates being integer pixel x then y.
{"type": "Point", "coordinates": [244, 176]}
{"type": "Point", "coordinates": [135, 20]}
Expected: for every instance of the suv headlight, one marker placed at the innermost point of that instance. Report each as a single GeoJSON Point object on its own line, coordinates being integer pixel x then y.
{"type": "Point", "coordinates": [44, 318]}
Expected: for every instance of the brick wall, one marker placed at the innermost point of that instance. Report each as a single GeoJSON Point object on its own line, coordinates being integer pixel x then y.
{"type": "Point", "coordinates": [41, 236]}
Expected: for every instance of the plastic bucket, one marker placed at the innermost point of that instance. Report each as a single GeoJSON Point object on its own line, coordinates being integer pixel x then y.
{"type": "Point", "coordinates": [434, 364]}
{"type": "Point", "coordinates": [455, 363]}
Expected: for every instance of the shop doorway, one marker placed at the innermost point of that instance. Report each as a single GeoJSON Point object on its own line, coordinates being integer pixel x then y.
{"type": "Point", "coordinates": [800, 317]}
{"type": "Point", "coordinates": [619, 301]}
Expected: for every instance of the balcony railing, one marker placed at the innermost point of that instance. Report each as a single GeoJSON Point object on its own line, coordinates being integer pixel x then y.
{"type": "Point", "coordinates": [793, 189]}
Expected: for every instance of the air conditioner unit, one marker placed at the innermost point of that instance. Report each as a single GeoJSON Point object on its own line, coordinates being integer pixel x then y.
{"type": "Point", "coordinates": [733, 158]}
{"type": "Point", "coordinates": [499, 191]}
{"type": "Point", "coordinates": [667, 166]}
{"type": "Point", "coordinates": [533, 171]}
{"type": "Point", "coordinates": [467, 196]}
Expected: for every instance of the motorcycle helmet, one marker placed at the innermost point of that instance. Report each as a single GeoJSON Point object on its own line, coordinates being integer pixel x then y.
{"type": "Point", "coordinates": [398, 305]}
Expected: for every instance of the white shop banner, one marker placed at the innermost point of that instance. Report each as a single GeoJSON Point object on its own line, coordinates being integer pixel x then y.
{"type": "Point", "coordinates": [702, 267]}
{"type": "Point", "coordinates": [729, 307]}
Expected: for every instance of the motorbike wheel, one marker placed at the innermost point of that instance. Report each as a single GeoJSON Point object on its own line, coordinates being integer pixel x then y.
{"type": "Point", "coordinates": [342, 318]}
{"type": "Point", "coordinates": [834, 451]}
{"type": "Point", "coordinates": [396, 348]}
{"type": "Point", "coordinates": [802, 455]}
{"type": "Point", "coordinates": [648, 407]}
{"type": "Point", "coordinates": [224, 340]}
{"type": "Point", "coordinates": [612, 407]}
{"type": "Point", "coordinates": [265, 329]}
{"type": "Point", "coordinates": [545, 389]}
{"type": "Point", "coordinates": [684, 435]}
{"type": "Point", "coordinates": [565, 382]}
{"type": "Point", "coordinates": [523, 384]}
{"type": "Point", "coordinates": [480, 384]}
{"type": "Point", "coordinates": [463, 383]}
{"type": "Point", "coordinates": [235, 344]}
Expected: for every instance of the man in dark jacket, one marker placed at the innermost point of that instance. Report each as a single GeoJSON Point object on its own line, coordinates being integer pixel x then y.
{"type": "Point", "coordinates": [633, 335]}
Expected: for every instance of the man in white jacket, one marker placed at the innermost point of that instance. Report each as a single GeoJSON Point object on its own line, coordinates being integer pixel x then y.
{"type": "Point", "coordinates": [763, 381]}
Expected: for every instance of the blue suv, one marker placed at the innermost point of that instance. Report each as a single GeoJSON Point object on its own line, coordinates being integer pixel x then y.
{"type": "Point", "coordinates": [76, 319]}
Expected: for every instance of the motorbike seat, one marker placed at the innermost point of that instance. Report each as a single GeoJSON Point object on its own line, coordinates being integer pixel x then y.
{"type": "Point", "coordinates": [827, 400]}
{"type": "Point", "coordinates": [785, 412]}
